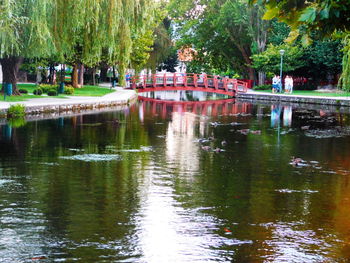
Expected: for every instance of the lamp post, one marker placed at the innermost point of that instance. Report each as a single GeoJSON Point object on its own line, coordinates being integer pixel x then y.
{"type": "Point", "coordinates": [281, 53]}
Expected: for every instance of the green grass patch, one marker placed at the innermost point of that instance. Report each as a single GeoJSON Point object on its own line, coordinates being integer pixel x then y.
{"type": "Point", "coordinates": [23, 97]}
{"type": "Point", "coordinates": [313, 93]}
{"type": "Point", "coordinates": [93, 91]}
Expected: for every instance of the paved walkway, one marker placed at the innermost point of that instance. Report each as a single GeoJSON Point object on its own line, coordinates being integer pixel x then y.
{"type": "Point", "coordinates": [250, 91]}
{"type": "Point", "coordinates": [120, 95]}
{"type": "Point", "coordinates": [252, 95]}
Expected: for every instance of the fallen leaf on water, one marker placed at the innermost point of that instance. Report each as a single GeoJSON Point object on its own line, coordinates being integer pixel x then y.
{"type": "Point", "coordinates": [227, 230]}
{"type": "Point", "coordinates": [38, 257]}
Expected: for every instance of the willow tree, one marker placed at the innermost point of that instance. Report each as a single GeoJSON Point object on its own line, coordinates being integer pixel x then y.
{"type": "Point", "coordinates": [75, 31]}
{"type": "Point", "coordinates": [24, 32]}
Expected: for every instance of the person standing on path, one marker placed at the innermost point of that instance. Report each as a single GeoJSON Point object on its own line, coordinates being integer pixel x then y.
{"type": "Point", "coordinates": [274, 84]}
{"type": "Point", "coordinates": [288, 83]}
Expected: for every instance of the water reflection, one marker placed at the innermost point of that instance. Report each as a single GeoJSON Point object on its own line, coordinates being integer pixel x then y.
{"type": "Point", "coordinates": [142, 186]}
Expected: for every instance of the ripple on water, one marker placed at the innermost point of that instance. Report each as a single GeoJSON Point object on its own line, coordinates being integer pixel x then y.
{"type": "Point", "coordinates": [290, 191]}
{"type": "Point", "coordinates": [3, 182]}
{"type": "Point", "coordinates": [93, 157]}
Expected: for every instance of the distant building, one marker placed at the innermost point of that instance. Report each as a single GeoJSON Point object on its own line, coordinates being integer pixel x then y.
{"type": "Point", "coordinates": [185, 54]}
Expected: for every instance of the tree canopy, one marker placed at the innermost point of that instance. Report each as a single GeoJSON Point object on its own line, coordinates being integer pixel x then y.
{"type": "Point", "coordinates": [81, 30]}
{"type": "Point", "coordinates": [318, 18]}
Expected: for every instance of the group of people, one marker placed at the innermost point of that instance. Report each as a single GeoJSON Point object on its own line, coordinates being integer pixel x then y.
{"type": "Point", "coordinates": [277, 84]}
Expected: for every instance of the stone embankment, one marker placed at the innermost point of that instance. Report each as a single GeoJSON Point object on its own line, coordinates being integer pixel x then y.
{"type": "Point", "coordinates": [73, 104]}
{"type": "Point", "coordinates": [290, 98]}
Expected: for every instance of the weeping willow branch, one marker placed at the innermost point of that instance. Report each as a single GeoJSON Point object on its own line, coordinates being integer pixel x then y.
{"type": "Point", "coordinates": [344, 80]}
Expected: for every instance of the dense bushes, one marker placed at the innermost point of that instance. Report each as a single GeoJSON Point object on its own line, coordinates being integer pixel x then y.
{"type": "Point", "coordinates": [52, 92]}
{"type": "Point", "coordinates": [47, 87]}
{"type": "Point", "coordinates": [38, 91]}
{"type": "Point", "coordinates": [23, 91]}
{"type": "Point", "coordinates": [69, 90]}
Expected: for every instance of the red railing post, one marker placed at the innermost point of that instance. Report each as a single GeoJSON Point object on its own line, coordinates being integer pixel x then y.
{"type": "Point", "coordinates": [164, 79]}
{"type": "Point", "coordinates": [205, 79]}
{"type": "Point", "coordinates": [154, 80]}
{"type": "Point", "coordinates": [195, 79]}
{"type": "Point", "coordinates": [215, 82]}
{"type": "Point", "coordinates": [185, 80]}
{"type": "Point", "coordinates": [174, 80]}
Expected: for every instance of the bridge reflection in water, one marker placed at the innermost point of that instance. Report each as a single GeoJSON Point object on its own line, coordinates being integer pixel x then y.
{"type": "Point", "coordinates": [222, 107]}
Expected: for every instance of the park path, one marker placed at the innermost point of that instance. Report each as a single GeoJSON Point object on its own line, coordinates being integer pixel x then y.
{"type": "Point", "coordinates": [120, 95]}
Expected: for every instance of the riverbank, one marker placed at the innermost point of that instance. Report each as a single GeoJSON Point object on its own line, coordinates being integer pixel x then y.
{"type": "Point", "coordinates": [252, 95]}
{"type": "Point", "coordinates": [119, 97]}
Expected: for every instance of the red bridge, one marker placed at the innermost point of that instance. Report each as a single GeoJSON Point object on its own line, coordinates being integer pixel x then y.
{"type": "Point", "coordinates": [188, 81]}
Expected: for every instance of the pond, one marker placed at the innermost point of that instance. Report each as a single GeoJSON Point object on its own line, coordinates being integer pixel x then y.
{"type": "Point", "coordinates": [215, 181]}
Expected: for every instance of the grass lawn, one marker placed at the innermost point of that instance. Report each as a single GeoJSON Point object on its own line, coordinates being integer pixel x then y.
{"type": "Point", "coordinates": [338, 93]}
{"type": "Point", "coordinates": [93, 91]}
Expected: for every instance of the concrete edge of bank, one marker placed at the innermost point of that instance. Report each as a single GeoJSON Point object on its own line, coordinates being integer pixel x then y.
{"type": "Point", "coordinates": [334, 101]}
{"type": "Point", "coordinates": [66, 107]}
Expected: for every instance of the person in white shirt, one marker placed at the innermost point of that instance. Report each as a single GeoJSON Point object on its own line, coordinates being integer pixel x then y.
{"type": "Point", "coordinates": [288, 84]}
{"type": "Point", "coordinates": [274, 84]}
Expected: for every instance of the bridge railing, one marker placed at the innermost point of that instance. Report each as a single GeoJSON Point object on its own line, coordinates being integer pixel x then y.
{"type": "Point", "coordinates": [203, 81]}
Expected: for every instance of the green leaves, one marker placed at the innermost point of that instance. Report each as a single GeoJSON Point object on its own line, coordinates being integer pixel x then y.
{"type": "Point", "coordinates": [308, 15]}
{"type": "Point", "coordinates": [271, 13]}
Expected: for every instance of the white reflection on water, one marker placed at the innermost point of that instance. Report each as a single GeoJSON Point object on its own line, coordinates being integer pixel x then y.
{"type": "Point", "coordinates": [292, 242]}
{"type": "Point", "coordinates": [93, 157]}
{"type": "Point", "coordinates": [171, 233]}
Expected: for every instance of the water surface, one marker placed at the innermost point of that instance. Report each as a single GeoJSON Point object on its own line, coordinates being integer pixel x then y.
{"type": "Point", "coordinates": [177, 182]}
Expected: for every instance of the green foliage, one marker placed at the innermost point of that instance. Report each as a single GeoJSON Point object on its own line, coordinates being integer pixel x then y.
{"type": "Point", "coordinates": [269, 60]}
{"type": "Point", "coordinates": [170, 63]}
{"type": "Point", "coordinates": [141, 48]}
{"type": "Point", "coordinates": [319, 18]}
{"type": "Point", "coordinates": [224, 33]}
{"type": "Point", "coordinates": [16, 110]}
{"type": "Point", "coordinates": [47, 87]}
{"type": "Point", "coordinates": [345, 77]}
{"type": "Point", "coordinates": [278, 33]}
{"type": "Point", "coordinates": [52, 92]}
{"type": "Point", "coordinates": [38, 91]}
{"type": "Point", "coordinates": [23, 91]}
{"type": "Point", "coordinates": [69, 90]}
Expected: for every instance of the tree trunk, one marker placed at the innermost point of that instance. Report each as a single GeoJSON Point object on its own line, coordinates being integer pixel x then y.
{"type": "Point", "coordinates": [104, 70]}
{"type": "Point", "coordinates": [94, 76]}
{"type": "Point", "coordinates": [81, 74]}
{"type": "Point", "coordinates": [10, 68]}
{"type": "Point", "coordinates": [75, 83]}
{"type": "Point", "coordinates": [261, 78]}
{"type": "Point", "coordinates": [52, 76]}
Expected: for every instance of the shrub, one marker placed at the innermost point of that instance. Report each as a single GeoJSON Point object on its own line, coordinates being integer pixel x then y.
{"type": "Point", "coordinates": [46, 87]}
{"type": "Point", "coordinates": [23, 91]}
{"type": "Point", "coordinates": [52, 92]}
{"type": "Point", "coordinates": [262, 87]}
{"type": "Point", "coordinates": [69, 90]}
{"type": "Point", "coordinates": [16, 110]}
{"type": "Point", "coordinates": [38, 91]}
